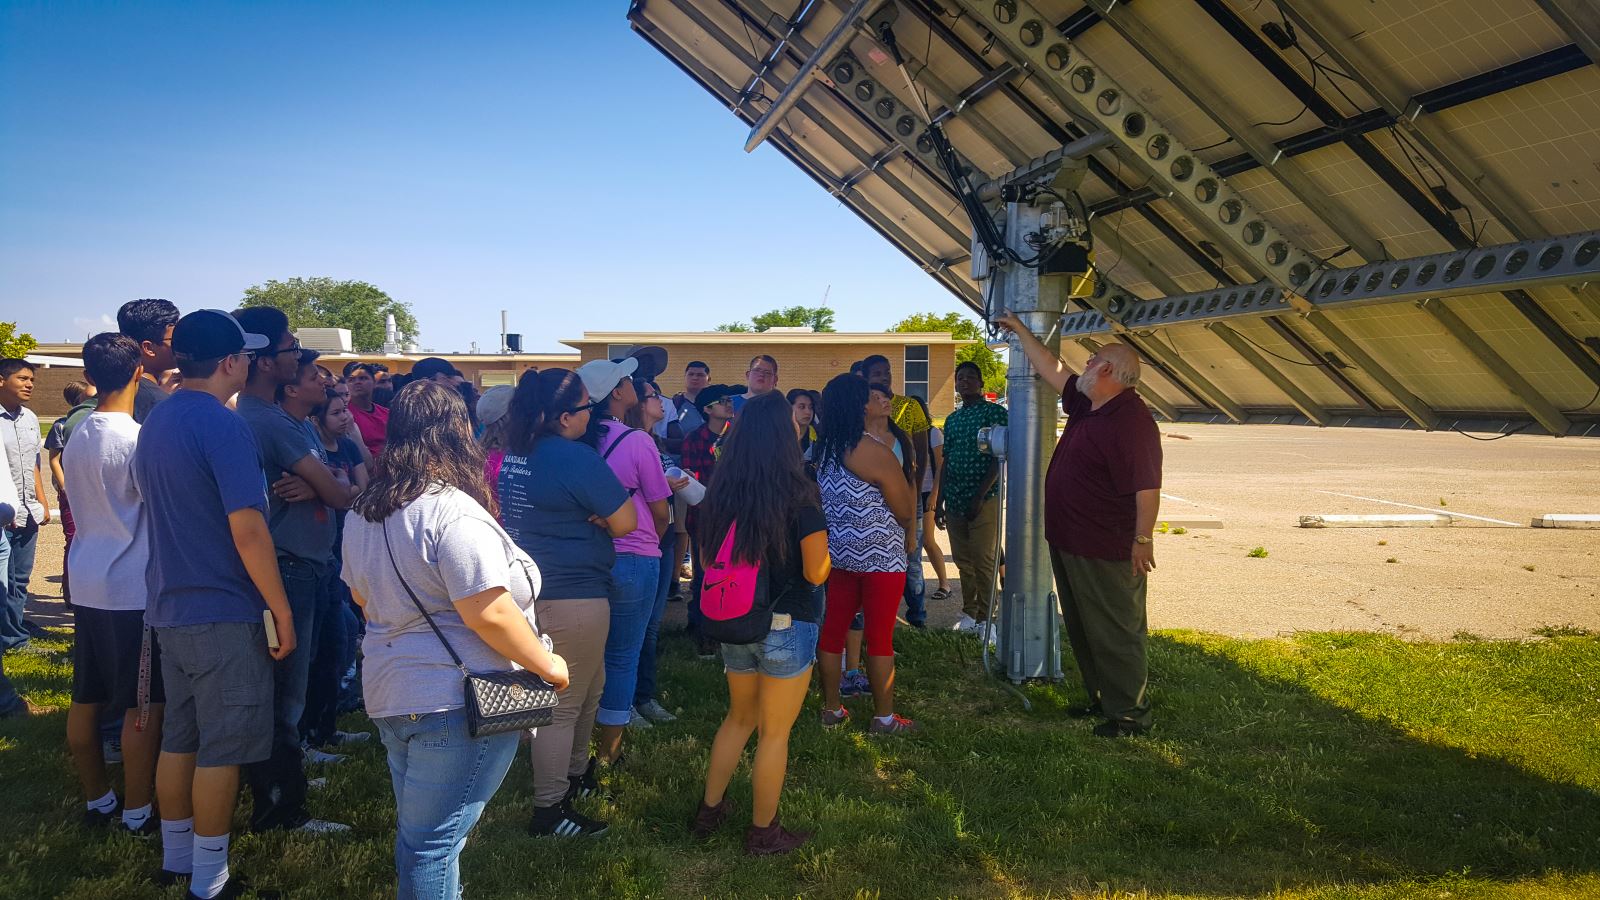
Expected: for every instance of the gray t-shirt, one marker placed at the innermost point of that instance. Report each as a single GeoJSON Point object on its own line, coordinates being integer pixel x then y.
{"type": "Point", "coordinates": [303, 528]}
{"type": "Point", "coordinates": [448, 548]}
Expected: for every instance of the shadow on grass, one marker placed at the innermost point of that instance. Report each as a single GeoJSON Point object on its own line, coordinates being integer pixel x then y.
{"type": "Point", "coordinates": [1252, 783]}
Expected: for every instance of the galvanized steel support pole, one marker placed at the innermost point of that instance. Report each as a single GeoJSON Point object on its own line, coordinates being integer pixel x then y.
{"type": "Point", "coordinates": [1030, 639]}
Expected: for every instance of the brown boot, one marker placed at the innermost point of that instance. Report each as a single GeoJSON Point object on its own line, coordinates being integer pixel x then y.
{"type": "Point", "coordinates": [707, 819]}
{"type": "Point", "coordinates": [773, 839]}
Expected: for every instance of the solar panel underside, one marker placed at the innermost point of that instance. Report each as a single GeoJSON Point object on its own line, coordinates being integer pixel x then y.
{"type": "Point", "coordinates": [1526, 131]}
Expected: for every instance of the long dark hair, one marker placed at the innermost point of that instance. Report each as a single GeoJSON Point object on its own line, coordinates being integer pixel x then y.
{"type": "Point", "coordinates": [429, 441]}
{"type": "Point", "coordinates": [760, 482]}
{"type": "Point", "coordinates": [844, 419]}
{"type": "Point", "coordinates": [537, 406]}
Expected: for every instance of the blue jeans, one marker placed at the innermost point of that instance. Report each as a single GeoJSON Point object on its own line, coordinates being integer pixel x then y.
{"type": "Point", "coordinates": [916, 606]}
{"type": "Point", "coordinates": [633, 594]}
{"type": "Point", "coordinates": [320, 720]}
{"type": "Point", "coordinates": [279, 783]}
{"type": "Point", "coordinates": [9, 700]}
{"type": "Point", "coordinates": [645, 690]}
{"type": "Point", "coordinates": [442, 779]}
{"type": "Point", "coordinates": [19, 569]}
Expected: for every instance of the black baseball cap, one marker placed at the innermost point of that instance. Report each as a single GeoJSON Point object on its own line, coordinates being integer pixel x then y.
{"type": "Point", "coordinates": [212, 334]}
{"type": "Point", "coordinates": [713, 393]}
{"type": "Point", "coordinates": [431, 366]}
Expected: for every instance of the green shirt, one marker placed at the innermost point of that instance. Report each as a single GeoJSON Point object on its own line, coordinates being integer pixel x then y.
{"type": "Point", "coordinates": [964, 464]}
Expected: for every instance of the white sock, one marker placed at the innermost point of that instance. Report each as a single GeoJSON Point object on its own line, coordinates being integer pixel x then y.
{"type": "Point", "coordinates": [134, 819]}
{"type": "Point", "coordinates": [105, 804]}
{"type": "Point", "coordinates": [210, 865]}
{"type": "Point", "coordinates": [885, 720]}
{"type": "Point", "coordinates": [177, 845]}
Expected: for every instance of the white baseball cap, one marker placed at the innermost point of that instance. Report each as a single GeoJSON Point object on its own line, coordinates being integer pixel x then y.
{"type": "Point", "coordinates": [601, 376]}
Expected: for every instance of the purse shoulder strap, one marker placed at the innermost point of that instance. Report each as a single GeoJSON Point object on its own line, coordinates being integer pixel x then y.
{"type": "Point", "coordinates": [413, 595]}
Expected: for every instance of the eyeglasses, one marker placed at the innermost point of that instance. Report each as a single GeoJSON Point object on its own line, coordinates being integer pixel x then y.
{"type": "Point", "coordinates": [770, 373]}
{"type": "Point", "coordinates": [592, 405]}
{"type": "Point", "coordinates": [292, 348]}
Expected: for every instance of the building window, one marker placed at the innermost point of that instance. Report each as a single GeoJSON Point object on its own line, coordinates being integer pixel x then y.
{"type": "Point", "coordinates": [496, 379]}
{"type": "Point", "coordinates": [916, 371]}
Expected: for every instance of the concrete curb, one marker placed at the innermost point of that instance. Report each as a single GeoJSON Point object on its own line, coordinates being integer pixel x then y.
{"type": "Point", "coordinates": [1397, 521]}
{"type": "Point", "coordinates": [1566, 520]}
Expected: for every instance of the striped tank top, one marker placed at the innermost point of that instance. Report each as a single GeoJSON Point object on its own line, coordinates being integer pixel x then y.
{"type": "Point", "coordinates": [863, 535]}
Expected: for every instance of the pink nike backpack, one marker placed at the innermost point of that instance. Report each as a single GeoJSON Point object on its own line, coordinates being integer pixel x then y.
{"type": "Point", "coordinates": [734, 598]}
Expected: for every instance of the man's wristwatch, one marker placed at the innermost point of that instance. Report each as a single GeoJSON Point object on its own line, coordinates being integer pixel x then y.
{"type": "Point", "coordinates": [1141, 539]}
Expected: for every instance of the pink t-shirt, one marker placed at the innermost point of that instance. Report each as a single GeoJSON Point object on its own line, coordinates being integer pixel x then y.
{"type": "Point", "coordinates": [637, 464]}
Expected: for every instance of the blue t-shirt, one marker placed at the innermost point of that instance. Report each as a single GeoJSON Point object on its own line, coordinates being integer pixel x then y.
{"type": "Point", "coordinates": [197, 462]}
{"type": "Point", "coordinates": [546, 499]}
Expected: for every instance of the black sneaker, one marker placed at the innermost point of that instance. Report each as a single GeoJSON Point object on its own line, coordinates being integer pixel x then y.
{"type": "Point", "coordinates": [585, 785]}
{"type": "Point", "coordinates": [562, 820]}
{"type": "Point", "coordinates": [93, 819]}
{"type": "Point", "coordinates": [1110, 729]}
{"type": "Point", "coordinates": [1084, 711]}
{"type": "Point", "coordinates": [236, 887]}
{"type": "Point", "coordinates": [150, 828]}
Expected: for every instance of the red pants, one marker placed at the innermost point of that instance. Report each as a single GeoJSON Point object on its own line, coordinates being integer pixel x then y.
{"type": "Point", "coordinates": [876, 595]}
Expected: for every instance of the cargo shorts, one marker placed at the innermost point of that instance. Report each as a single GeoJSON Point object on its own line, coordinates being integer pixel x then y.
{"type": "Point", "coordinates": [218, 679]}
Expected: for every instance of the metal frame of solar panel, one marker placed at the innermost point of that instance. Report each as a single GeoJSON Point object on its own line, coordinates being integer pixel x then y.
{"type": "Point", "coordinates": [1275, 178]}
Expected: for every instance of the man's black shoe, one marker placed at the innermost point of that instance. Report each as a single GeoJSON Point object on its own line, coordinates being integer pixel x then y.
{"type": "Point", "coordinates": [1084, 711]}
{"type": "Point", "coordinates": [1119, 729]}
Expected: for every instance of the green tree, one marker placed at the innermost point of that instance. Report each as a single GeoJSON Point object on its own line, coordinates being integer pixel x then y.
{"type": "Point", "coordinates": [962, 328]}
{"type": "Point", "coordinates": [817, 318]}
{"type": "Point", "coordinates": [15, 344]}
{"type": "Point", "coordinates": [326, 303]}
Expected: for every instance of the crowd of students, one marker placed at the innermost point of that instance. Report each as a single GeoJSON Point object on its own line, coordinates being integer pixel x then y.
{"type": "Point", "coordinates": [397, 529]}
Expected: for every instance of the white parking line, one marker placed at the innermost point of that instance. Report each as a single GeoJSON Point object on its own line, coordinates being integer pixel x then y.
{"type": "Point", "coordinates": [1178, 499]}
{"type": "Point", "coordinates": [1447, 512]}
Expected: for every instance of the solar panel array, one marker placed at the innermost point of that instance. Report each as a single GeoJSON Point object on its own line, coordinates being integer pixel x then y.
{"type": "Point", "coordinates": [1360, 132]}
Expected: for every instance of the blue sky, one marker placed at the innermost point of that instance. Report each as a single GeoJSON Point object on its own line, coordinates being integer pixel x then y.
{"type": "Point", "coordinates": [533, 156]}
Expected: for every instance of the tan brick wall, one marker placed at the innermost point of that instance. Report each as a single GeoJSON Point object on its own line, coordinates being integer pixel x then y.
{"type": "Point", "coordinates": [47, 401]}
{"type": "Point", "coordinates": [799, 365]}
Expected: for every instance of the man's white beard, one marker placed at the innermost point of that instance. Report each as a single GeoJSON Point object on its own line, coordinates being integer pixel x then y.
{"type": "Point", "coordinates": [1087, 381]}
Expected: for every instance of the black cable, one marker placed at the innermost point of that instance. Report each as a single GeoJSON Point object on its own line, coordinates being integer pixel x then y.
{"type": "Point", "coordinates": [1592, 400]}
{"type": "Point", "coordinates": [1320, 364]}
{"type": "Point", "coordinates": [1212, 146]}
{"type": "Point", "coordinates": [1497, 437]}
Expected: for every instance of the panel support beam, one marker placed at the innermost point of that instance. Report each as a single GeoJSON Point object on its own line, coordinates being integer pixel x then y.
{"type": "Point", "coordinates": [1542, 410]}
{"type": "Point", "coordinates": [1208, 97]}
{"type": "Point", "coordinates": [791, 92]}
{"type": "Point", "coordinates": [1580, 19]}
{"type": "Point", "coordinates": [1302, 401]}
{"type": "Point", "coordinates": [1412, 405]}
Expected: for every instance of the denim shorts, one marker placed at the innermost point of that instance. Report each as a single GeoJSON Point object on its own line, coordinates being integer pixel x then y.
{"type": "Point", "coordinates": [785, 653]}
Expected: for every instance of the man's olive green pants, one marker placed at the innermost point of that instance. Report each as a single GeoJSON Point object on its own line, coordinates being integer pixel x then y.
{"type": "Point", "coordinates": [1103, 604]}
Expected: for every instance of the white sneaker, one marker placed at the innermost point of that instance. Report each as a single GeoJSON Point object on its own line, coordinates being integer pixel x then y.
{"type": "Point", "coordinates": [351, 737]}
{"type": "Point", "coordinates": [965, 625]}
{"type": "Point", "coordinates": [655, 712]}
{"type": "Point", "coordinates": [316, 757]}
{"type": "Point", "coordinates": [321, 826]}
{"type": "Point", "coordinates": [635, 720]}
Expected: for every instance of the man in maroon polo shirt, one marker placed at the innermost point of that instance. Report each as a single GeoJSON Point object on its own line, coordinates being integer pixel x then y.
{"type": "Point", "coordinates": [1102, 495]}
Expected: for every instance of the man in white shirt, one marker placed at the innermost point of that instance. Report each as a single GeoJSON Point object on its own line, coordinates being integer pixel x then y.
{"type": "Point", "coordinates": [114, 661]}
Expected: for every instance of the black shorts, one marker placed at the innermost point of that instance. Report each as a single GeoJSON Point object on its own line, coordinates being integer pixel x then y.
{"type": "Point", "coordinates": [105, 657]}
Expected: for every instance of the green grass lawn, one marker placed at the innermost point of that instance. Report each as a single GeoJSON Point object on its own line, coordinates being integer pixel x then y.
{"type": "Point", "coordinates": [1326, 766]}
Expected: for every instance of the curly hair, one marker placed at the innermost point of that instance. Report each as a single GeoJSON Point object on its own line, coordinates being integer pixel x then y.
{"type": "Point", "coordinates": [760, 482]}
{"type": "Point", "coordinates": [429, 442]}
{"type": "Point", "coordinates": [844, 419]}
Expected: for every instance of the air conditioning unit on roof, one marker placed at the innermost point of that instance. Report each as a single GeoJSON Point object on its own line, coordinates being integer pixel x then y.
{"type": "Point", "coordinates": [325, 340]}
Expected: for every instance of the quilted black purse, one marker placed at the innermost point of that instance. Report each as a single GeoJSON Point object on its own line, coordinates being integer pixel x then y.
{"type": "Point", "coordinates": [497, 702]}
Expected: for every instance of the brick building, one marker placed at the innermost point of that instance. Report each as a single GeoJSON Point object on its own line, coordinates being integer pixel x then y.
{"type": "Point", "coordinates": [923, 362]}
